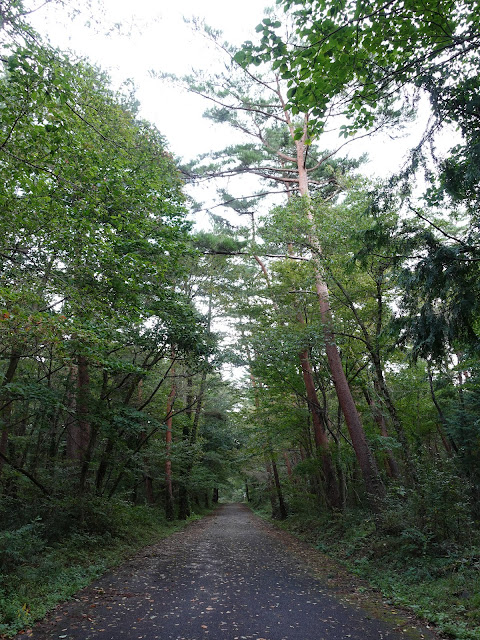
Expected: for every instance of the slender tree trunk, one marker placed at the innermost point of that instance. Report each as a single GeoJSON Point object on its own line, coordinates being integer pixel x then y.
{"type": "Point", "coordinates": [381, 386]}
{"type": "Point", "coordinates": [390, 462]}
{"type": "Point", "coordinates": [282, 508]}
{"type": "Point", "coordinates": [288, 466]}
{"type": "Point", "coordinates": [78, 431]}
{"type": "Point", "coordinates": [271, 487]}
{"type": "Point", "coordinates": [373, 482]}
{"type": "Point", "coordinates": [83, 402]}
{"type": "Point", "coordinates": [6, 408]}
{"type": "Point", "coordinates": [321, 441]}
{"type": "Point", "coordinates": [103, 465]}
{"type": "Point", "coordinates": [322, 444]}
{"type": "Point", "coordinates": [169, 504]}
{"type": "Point", "coordinates": [87, 432]}
{"type": "Point", "coordinates": [190, 431]}
{"type": "Point", "coordinates": [147, 478]}
{"type": "Point", "coordinates": [184, 474]}
{"type": "Point", "coordinates": [396, 422]}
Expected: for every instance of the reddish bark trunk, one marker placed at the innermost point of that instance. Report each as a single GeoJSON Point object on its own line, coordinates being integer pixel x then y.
{"type": "Point", "coordinates": [288, 465]}
{"type": "Point", "coordinates": [321, 441]}
{"type": "Point", "coordinates": [78, 430]}
{"type": "Point", "coordinates": [6, 402]}
{"type": "Point", "coordinates": [373, 483]}
{"type": "Point", "coordinates": [169, 506]}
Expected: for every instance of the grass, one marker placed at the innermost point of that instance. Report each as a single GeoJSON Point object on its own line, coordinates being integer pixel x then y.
{"type": "Point", "coordinates": [38, 570]}
{"type": "Point", "coordinates": [439, 582]}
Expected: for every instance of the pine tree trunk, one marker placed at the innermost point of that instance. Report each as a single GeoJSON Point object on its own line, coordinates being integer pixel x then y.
{"type": "Point", "coordinates": [169, 504]}
{"type": "Point", "coordinates": [322, 444]}
{"type": "Point", "coordinates": [371, 477]}
{"type": "Point", "coordinates": [6, 408]}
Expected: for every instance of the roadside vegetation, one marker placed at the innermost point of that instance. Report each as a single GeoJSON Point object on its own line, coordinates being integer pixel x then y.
{"type": "Point", "coordinates": [67, 545]}
{"type": "Point", "coordinates": [347, 307]}
{"type": "Point", "coordinates": [426, 563]}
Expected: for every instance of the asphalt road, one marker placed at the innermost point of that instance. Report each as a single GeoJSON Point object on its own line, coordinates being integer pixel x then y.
{"type": "Point", "coordinates": [229, 577]}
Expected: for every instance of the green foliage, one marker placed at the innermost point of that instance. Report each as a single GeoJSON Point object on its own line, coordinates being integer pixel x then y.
{"type": "Point", "coordinates": [19, 545]}
{"type": "Point", "coordinates": [42, 566]}
{"type": "Point", "coordinates": [434, 515]}
{"type": "Point", "coordinates": [439, 582]}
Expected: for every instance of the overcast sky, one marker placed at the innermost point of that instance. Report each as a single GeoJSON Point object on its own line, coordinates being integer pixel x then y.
{"type": "Point", "coordinates": [154, 35]}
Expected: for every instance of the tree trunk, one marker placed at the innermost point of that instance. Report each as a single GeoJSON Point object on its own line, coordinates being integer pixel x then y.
{"type": "Point", "coordinates": [78, 431]}
{"type": "Point", "coordinates": [148, 482]}
{"type": "Point", "coordinates": [271, 487]}
{"type": "Point", "coordinates": [282, 509]}
{"type": "Point", "coordinates": [396, 422]}
{"type": "Point", "coordinates": [373, 483]}
{"type": "Point", "coordinates": [83, 406]}
{"type": "Point", "coordinates": [321, 441]}
{"type": "Point", "coordinates": [103, 465]}
{"type": "Point", "coordinates": [6, 408]}
{"type": "Point", "coordinates": [390, 462]}
{"type": "Point", "coordinates": [169, 505]}
{"type": "Point", "coordinates": [184, 475]}
{"type": "Point", "coordinates": [288, 466]}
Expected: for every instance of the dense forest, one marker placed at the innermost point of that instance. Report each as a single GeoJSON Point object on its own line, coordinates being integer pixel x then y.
{"type": "Point", "coordinates": [347, 307]}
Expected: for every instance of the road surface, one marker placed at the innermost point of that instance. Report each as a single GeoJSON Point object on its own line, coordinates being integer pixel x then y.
{"type": "Point", "coordinates": [229, 576]}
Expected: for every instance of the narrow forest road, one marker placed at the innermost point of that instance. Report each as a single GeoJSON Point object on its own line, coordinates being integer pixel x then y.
{"type": "Point", "coordinates": [228, 576]}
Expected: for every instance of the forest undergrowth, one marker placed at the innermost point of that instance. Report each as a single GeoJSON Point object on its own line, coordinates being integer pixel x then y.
{"type": "Point", "coordinates": [67, 547]}
{"type": "Point", "coordinates": [420, 561]}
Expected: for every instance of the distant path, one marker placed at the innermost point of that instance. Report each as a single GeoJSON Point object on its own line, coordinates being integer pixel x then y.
{"type": "Point", "coordinates": [229, 577]}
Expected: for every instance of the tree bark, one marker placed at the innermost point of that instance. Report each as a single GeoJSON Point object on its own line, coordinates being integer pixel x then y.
{"type": "Point", "coordinates": [169, 504]}
{"type": "Point", "coordinates": [322, 444]}
{"type": "Point", "coordinates": [6, 408]}
{"type": "Point", "coordinates": [373, 482]}
{"type": "Point", "coordinates": [390, 462]}
{"type": "Point", "coordinates": [332, 492]}
{"type": "Point", "coordinates": [78, 431]}
{"type": "Point", "coordinates": [288, 466]}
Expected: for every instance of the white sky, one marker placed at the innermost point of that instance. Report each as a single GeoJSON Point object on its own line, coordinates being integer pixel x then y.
{"type": "Point", "coordinates": [154, 35]}
{"type": "Point", "coordinates": [160, 40]}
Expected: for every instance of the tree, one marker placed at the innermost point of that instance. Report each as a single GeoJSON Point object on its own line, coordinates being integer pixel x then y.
{"type": "Point", "coordinates": [97, 264]}
{"type": "Point", "coordinates": [255, 106]}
